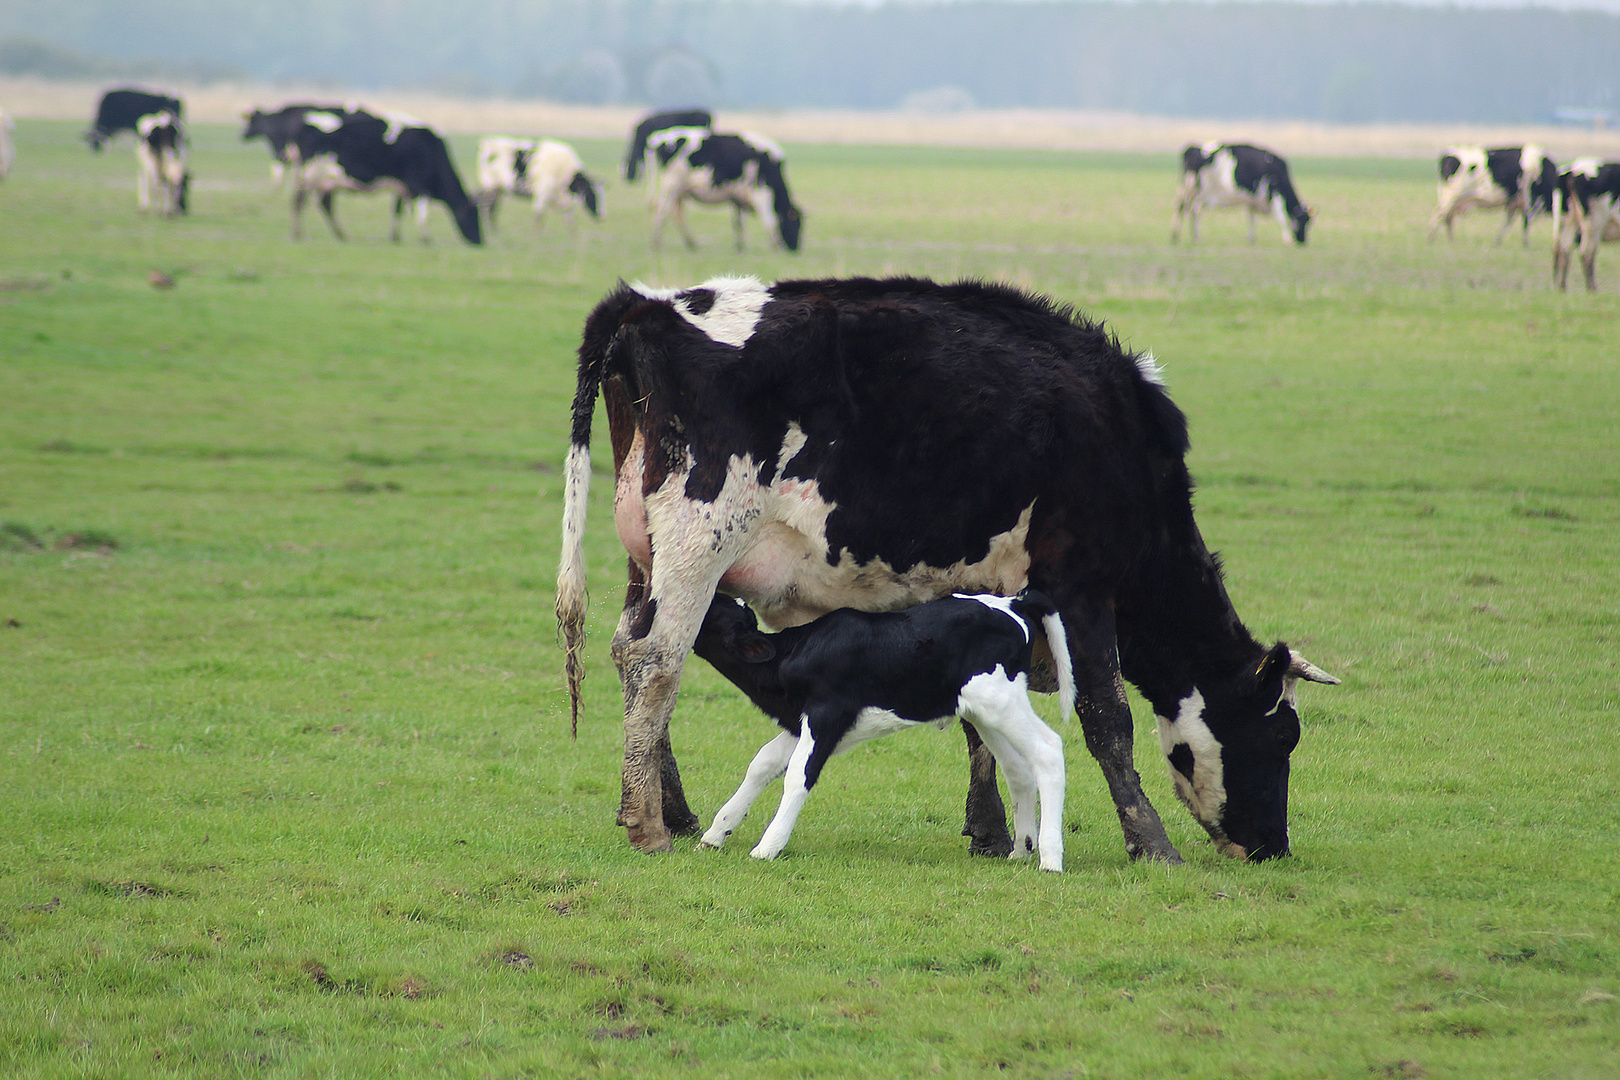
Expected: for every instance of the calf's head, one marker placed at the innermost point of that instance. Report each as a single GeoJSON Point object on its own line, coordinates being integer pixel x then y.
{"type": "Point", "coordinates": [1228, 748]}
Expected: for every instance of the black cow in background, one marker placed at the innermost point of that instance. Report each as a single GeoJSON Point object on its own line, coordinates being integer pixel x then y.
{"type": "Point", "coordinates": [123, 109]}
{"type": "Point", "coordinates": [355, 150]}
{"type": "Point", "coordinates": [280, 129]}
{"type": "Point", "coordinates": [662, 121]}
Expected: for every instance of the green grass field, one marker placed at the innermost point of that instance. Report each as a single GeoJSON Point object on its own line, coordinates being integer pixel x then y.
{"type": "Point", "coordinates": [284, 761]}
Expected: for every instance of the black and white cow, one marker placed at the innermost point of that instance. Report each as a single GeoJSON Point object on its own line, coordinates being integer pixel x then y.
{"type": "Point", "coordinates": [122, 110]}
{"type": "Point", "coordinates": [1589, 194]}
{"type": "Point", "coordinates": [355, 150]}
{"type": "Point", "coordinates": [280, 129]}
{"type": "Point", "coordinates": [636, 157]}
{"type": "Point", "coordinates": [1521, 179]}
{"type": "Point", "coordinates": [1217, 174]}
{"type": "Point", "coordinates": [851, 676]}
{"type": "Point", "coordinates": [547, 171]}
{"type": "Point", "coordinates": [744, 171]}
{"type": "Point", "coordinates": [875, 444]}
{"type": "Point", "coordinates": [161, 180]}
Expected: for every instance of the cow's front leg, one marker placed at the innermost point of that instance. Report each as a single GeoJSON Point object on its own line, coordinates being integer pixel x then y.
{"type": "Point", "coordinates": [986, 823]}
{"type": "Point", "coordinates": [1105, 718]}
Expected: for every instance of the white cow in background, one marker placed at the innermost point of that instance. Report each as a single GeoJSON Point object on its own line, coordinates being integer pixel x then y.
{"type": "Point", "coordinates": [160, 156]}
{"type": "Point", "coordinates": [546, 171]}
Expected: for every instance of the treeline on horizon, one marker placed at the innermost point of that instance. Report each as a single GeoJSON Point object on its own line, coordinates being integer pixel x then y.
{"type": "Point", "coordinates": [1345, 62]}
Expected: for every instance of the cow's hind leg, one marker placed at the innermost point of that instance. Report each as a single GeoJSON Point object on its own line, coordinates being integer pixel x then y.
{"type": "Point", "coordinates": [986, 823]}
{"type": "Point", "coordinates": [1105, 718]}
{"type": "Point", "coordinates": [652, 804]}
{"type": "Point", "coordinates": [331, 217]}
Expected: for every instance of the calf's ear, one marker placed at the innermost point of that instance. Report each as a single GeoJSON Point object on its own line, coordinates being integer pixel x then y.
{"type": "Point", "coordinates": [754, 647]}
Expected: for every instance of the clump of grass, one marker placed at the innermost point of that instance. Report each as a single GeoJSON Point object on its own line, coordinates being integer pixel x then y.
{"type": "Point", "coordinates": [15, 536]}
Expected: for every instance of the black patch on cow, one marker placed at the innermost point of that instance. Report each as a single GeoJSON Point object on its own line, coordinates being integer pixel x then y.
{"type": "Point", "coordinates": [698, 301]}
{"type": "Point", "coordinates": [1505, 168]}
{"type": "Point", "coordinates": [520, 165]}
{"type": "Point", "coordinates": [1181, 760]}
{"type": "Point", "coordinates": [581, 185]}
{"type": "Point", "coordinates": [1449, 164]}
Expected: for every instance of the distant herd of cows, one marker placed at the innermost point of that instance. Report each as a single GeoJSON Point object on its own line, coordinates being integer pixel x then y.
{"type": "Point", "coordinates": [331, 148]}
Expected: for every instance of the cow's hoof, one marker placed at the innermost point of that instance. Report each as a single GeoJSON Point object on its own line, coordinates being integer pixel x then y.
{"type": "Point", "coordinates": [1165, 853]}
{"type": "Point", "coordinates": [994, 847]}
{"type": "Point", "coordinates": [651, 841]}
{"type": "Point", "coordinates": [683, 824]}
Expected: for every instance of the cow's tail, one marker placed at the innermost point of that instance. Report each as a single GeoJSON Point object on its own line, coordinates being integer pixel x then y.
{"type": "Point", "coordinates": [1029, 603]}
{"type": "Point", "coordinates": [571, 592]}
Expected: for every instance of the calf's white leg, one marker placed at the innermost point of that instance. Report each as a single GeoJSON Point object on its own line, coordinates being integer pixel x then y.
{"type": "Point", "coordinates": [1033, 759]}
{"type": "Point", "coordinates": [795, 790]}
{"type": "Point", "coordinates": [771, 761]}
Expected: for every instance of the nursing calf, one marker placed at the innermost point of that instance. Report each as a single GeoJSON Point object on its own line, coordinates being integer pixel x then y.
{"type": "Point", "coordinates": [851, 676]}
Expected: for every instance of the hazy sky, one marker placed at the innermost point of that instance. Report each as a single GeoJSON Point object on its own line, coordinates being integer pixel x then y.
{"type": "Point", "coordinates": [1594, 5]}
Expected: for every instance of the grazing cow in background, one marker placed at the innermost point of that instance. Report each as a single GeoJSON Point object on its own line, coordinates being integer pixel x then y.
{"type": "Point", "coordinates": [160, 157]}
{"type": "Point", "coordinates": [280, 129]}
{"type": "Point", "coordinates": [1521, 179]}
{"type": "Point", "coordinates": [875, 444]}
{"type": "Point", "coordinates": [548, 172]}
{"type": "Point", "coordinates": [358, 151]}
{"type": "Point", "coordinates": [636, 158]}
{"type": "Point", "coordinates": [744, 171]}
{"type": "Point", "coordinates": [1217, 174]}
{"type": "Point", "coordinates": [121, 110]}
{"type": "Point", "coordinates": [8, 149]}
{"type": "Point", "coordinates": [1590, 195]}
{"type": "Point", "coordinates": [851, 676]}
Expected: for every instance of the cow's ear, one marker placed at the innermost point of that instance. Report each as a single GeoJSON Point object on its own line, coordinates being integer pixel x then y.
{"type": "Point", "coordinates": [1273, 668]}
{"type": "Point", "coordinates": [755, 647]}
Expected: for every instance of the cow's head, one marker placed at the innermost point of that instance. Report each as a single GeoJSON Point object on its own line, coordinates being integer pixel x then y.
{"type": "Point", "coordinates": [1228, 747]}
{"type": "Point", "coordinates": [253, 126]}
{"type": "Point", "coordinates": [466, 215]}
{"type": "Point", "coordinates": [1301, 220]}
{"type": "Point", "coordinates": [788, 223]}
{"type": "Point", "coordinates": [589, 194]}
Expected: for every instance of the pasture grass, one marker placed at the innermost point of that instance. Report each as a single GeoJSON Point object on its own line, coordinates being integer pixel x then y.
{"type": "Point", "coordinates": [283, 740]}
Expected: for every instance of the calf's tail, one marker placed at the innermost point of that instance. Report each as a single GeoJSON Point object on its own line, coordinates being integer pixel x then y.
{"type": "Point", "coordinates": [1030, 602]}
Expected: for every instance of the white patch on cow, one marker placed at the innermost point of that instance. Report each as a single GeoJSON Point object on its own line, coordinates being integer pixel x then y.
{"type": "Point", "coordinates": [762, 144]}
{"type": "Point", "coordinates": [731, 319]}
{"type": "Point", "coordinates": [873, 723]}
{"type": "Point", "coordinates": [1148, 365]}
{"type": "Point", "coordinates": [397, 123]}
{"type": "Point", "coordinates": [1002, 604]}
{"type": "Point", "coordinates": [1587, 167]}
{"type": "Point", "coordinates": [322, 120]}
{"type": "Point", "coordinates": [1205, 793]}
